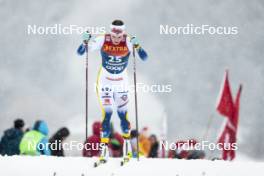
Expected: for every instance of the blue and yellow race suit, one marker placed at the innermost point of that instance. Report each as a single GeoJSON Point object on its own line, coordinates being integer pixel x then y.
{"type": "Point", "coordinates": [112, 80]}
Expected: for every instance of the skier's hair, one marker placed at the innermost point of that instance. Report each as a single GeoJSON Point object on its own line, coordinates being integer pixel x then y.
{"type": "Point", "coordinates": [118, 23]}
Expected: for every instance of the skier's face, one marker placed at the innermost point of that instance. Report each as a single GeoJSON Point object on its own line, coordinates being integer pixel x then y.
{"type": "Point", "coordinates": [116, 39]}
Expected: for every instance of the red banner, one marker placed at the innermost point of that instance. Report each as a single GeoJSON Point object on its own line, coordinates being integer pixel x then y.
{"type": "Point", "coordinates": [229, 109]}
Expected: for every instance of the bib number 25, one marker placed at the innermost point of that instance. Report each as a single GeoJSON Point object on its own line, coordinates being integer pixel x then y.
{"type": "Point", "coordinates": [113, 59]}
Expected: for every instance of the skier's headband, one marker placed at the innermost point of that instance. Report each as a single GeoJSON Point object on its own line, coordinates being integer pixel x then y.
{"type": "Point", "coordinates": [117, 30]}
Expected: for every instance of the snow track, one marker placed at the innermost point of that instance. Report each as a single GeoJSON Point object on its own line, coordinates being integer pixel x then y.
{"type": "Point", "coordinates": [79, 166]}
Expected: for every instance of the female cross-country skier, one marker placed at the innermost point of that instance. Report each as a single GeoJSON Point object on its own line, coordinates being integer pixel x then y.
{"type": "Point", "coordinates": [112, 81]}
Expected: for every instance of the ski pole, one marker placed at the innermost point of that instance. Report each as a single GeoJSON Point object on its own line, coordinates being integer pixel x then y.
{"type": "Point", "coordinates": [135, 92]}
{"type": "Point", "coordinates": [86, 91]}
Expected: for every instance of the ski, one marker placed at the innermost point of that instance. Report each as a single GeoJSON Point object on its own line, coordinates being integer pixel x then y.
{"type": "Point", "coordinates": [100, 162]}
{"type": "Point", "coordinates": [124, 161]}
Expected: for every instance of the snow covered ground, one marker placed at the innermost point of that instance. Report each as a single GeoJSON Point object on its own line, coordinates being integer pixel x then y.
{"type": "Point", "coordinates": [79, 166]}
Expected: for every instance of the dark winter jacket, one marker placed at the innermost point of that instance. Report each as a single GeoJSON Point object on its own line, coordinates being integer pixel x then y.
{"type": "Point", "coordinates": [153, 153]}
{"type": "Point", "coordinates": [9, 144]}
{"type": "Point", "coordinates": [57, 140]}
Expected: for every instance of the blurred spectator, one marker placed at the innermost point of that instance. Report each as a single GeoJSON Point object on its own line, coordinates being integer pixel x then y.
{"type": "Point", "coordinates": [186, 150]}
{"type": "Point", "coordinates": [92, 143]}
{"type": "Point", "coordinates": [180, 152]}
{"type": "Point", "coordinates": [9, 144]}
{"type": "Point", "coordinates": [57, 140]}
{"type": "Point", "coordinates": [153, 153]}
{"type": "Point", "coordinates": [35, 141]}
{"type": "Point", "coordinates": [115, 143]}
{"type": "Point", "coordinates": [116, 147]}
{"type": "Point", "coordinates": [144, 143]}
{"type": "Point", "coordinates": [133, 135]}
{"type": "Point", "coordinates": [196, 154]}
